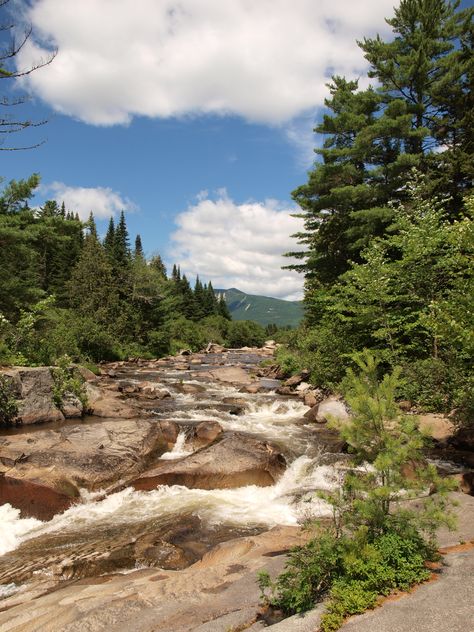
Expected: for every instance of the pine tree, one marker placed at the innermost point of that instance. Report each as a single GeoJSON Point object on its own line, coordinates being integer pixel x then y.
{"type": "Point", "coordinates": [156, 262]}
{"type": "Point", "coordinates": [109, 239]}
{"type": "Point", "coordinates": [375, 137]}
{"type": "Point", "coordinates": [138, 252]}
{"type": "Point", "coordinates": [90, 225]}
{"type": "Point", "coordinates": [121, 244]}
{"type": "Point", "coordinates": [223, 309]}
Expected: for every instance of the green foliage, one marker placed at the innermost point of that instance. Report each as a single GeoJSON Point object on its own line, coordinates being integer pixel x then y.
{"type": "Point", "coordinates": [420, 115]}
{"type": "Point", "coordinates": [67, 380]}
{"type": "Point", "coordinates": [245, 333]}
{"type": "Point", "coordinates": [288, 361]}
{"type": "Point", "coordinates": [377, 543]}
{"type": "Point", "coordinates": [8, 405]}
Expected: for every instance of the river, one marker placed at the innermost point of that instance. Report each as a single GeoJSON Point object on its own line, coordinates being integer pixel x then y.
{"type": "Point", "coordinates": [101, 531]}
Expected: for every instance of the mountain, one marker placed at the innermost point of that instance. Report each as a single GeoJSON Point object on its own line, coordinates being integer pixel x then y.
{"type": "Point", "coordinates": [262, 309]}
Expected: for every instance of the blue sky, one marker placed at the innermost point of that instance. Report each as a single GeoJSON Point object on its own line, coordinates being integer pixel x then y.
{"type": "Point", "coordinates": [194, 116]}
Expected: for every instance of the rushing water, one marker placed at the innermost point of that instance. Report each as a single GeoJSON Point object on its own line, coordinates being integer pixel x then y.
{"type": "Point", "coordinates": [288, 502]}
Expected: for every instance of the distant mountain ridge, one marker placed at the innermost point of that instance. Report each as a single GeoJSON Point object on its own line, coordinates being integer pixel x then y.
{"type": "Point", "coordinates": [264, 310]}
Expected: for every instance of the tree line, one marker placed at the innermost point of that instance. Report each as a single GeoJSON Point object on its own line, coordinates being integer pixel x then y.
{"type": "Point", "coordinates": [64, 290]}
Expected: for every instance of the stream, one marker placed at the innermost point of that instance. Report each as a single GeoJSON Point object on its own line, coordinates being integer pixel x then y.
{"type": "Point", "coordinates": [173, 526]}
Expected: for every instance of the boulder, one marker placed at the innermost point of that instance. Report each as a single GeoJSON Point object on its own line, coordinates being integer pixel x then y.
{"type": "Point", "coordinates": [235, 461]}
{"type": "Point", "coordinates": [231, 374]}
{"type": "Point", "coordinates": [105, 403]}
{"type": "Point", "coordinates": [288, 391]}
{"type": "Point", "coordinates": [183, 387]}
{"type": "Point", "coordinates": [206, 432]}
{"type": "Point", "coordinates": [71, 406]}
{"type": "Point", "coordinates": [251, 389]}
{"type": "Point", "coordinates": [86, 374]}
{"type": "Point", "coordinates": [44, 470]}
{"type": "Point", "coordinates": [294, 380]}
{"type": "Point", "coordinates": [34, 389]}
{"type": "Point", "coordinates": [438, 427]}
{"type": "Point", "coordinates": [329, 408]}
{"type": "Point", "coordinates": [313, 397]}
{"type": "Point", "coordinates": [212, 347]}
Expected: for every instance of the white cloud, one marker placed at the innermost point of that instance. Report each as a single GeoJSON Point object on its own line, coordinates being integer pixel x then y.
{"type": "Point", "coordinates": [238, 245]}
{"type": "Point", "coordinates": [102, 201]}
{"type": "Point", "coordinates": [267, 61]}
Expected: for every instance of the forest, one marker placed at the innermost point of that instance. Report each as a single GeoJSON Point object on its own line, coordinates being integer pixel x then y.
{"type": "Point", "coordinates": [66, 291]}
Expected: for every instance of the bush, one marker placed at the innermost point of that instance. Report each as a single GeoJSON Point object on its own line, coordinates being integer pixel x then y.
{"type": "Point", "coordinates": [8, 405]}
{"type": "Point", "coordinates": [245, 333]}
{"type": "Point", "coordinates": [289, 362]}
{"type": "Point", "coordinates": [67, 380]}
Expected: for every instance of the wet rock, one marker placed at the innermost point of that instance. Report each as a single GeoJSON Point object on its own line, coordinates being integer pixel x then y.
{"type": "Point", "coordinates": [71, 406]}
{"type": "Point", "coordinates": [329, 408]}
{"type": "Point", "coordinates": [34, 389]}
{"type": "Point", "coordinates": [47, 469]}
{"type": "Point", "coordinates": [252, 389]}
{"type": "Point", "coordinates": [238, 402]}
{"type": "Point", "coordinates": [206, 432]}
{"type": "Point", "coordinates": [288, 391]}
{"type": "Point", "coordinates": [313, 397]}
{"type": "Point", "coordinates": [231, 374]}
{"type": "Point", "coordinates": [463, 439]}
{"type": "Point", "coordinates": [235, 461]}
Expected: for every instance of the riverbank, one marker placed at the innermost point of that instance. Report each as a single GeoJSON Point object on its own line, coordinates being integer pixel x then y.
{"type": "Point", "coordinates": [172, 511]}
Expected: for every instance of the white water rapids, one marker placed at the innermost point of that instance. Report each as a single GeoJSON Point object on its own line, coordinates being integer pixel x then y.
{"type": "Point", "coordinates": [288, 502]}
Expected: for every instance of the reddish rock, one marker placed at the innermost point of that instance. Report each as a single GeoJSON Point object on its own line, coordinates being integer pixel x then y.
{"type": "Point", "coordinates": [34, 500]}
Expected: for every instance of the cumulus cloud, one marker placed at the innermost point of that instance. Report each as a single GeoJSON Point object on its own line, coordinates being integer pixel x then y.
{"type": "Point", "coordinates": [266, 61]}
{"type": "Point", "coordinates": [238, 245]}
{"type": "Point", "coordinates": [102, 201]}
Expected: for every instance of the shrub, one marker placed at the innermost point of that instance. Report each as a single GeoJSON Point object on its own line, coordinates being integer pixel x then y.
{"type": "Point", "coordinates": [245, 333]}
{"type": "Point", "coordinates": [67, 380]}
{"type": "Point", "coordinates": [8, 405]}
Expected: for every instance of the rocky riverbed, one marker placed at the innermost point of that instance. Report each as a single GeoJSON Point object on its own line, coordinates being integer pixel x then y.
{"type": "Point", "coordinates": [188, 474]}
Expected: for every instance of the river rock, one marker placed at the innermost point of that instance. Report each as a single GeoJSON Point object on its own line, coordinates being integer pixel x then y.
{"type": "Point", "coordinates": [231, 374]}
{"type": "Point", "coordinates": [206, 432]}
{"type": "Point", "coordinates": [44, 470]}
{"type": "Point", "coordinates": [295, 380]}
{"type": "Point", "coordinates": [71, 406]}
{"type": "Point", "coordinates": [106, 403]}
{"type": "Point", "coordinates": [34, 389]}
{"type": "Point", "coordinates": [85, 373]}
{"type": "Point", "coordinates": [236, 461]}
{"type": "Point", "coordinates": [313, 397]}
{"type": "Point", "coordinates": [329, 408]}
{"type": "Point", "coordinates": [189, 389]}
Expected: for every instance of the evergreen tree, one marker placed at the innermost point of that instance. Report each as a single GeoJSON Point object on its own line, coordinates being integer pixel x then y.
{"type": "Point", "coordinates": [91, 288]}
{"type": "Point", "coordinates": [223, 309]}
{"type": "Point", "coordinates": [121, 244]}
{"type": "Point", "coordinates": [90, 225]}
{"type": "Point", "coordinates": [109, 239]}
{"type": "Point", "coordinates": [156, 262]}
{"type": "Point", "coordinates": [375, 137]}
{"type": "Point", "coordinates": [138, 252]}
{"type": "Point", "coordinates": [63, 210]}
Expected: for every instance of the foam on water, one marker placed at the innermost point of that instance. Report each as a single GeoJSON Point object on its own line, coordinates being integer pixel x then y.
{"type": "Point", "coordinates": [13, 528]}
{"type": "Point", "coordinates": [244, 506]}
{"type": "Point", "coordinates": [179, 450]}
